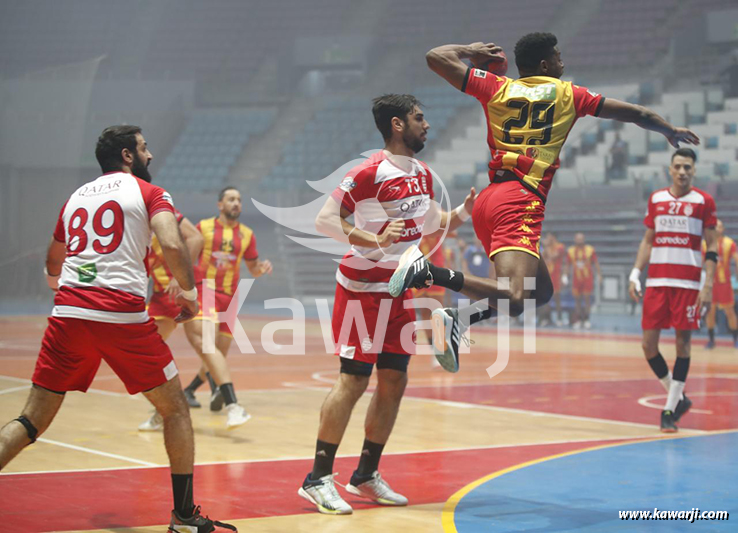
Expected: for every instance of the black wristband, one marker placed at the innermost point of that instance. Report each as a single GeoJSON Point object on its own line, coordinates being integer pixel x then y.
{"type": "Point", "coordinates": [711, 256]}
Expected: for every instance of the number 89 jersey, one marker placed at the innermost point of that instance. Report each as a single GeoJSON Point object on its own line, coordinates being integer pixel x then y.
{"type": "Point", "coordinates": [528, 120]}
{"type": "Point", "coordinates": [105, 226]}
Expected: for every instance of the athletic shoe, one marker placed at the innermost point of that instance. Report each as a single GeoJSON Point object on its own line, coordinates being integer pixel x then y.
{"type": "Point", "coordinates": [710, 345]}
{"type": "Point", "coordinates": [576, 325]}
{"type": "Point", "coordinates": [668, 422]}
{"type": "Point", "coordinates": [544, 323]}
{"type": "Point", "coordinates": [412, 272]}
{"type": "Point", "coordinates": [237, 416]}
{"type": "Point", "coordinates": [377, 490]}
{"type": "Point", "coordinates": [191, 400]}
{"type": "Point", "coordinates": [154, 423]}
{"type": "Point", "coordinates": [587, 324]}
{"type": "Point", "coordinates": [197, 524]}
{"type": "Point", "coordinates": [446, 330]}
{"type": "Point", "coordinates": [682, 408]}
{"type": "Point", "coordinates": [323, 494]}
{"type": "Point", "coordinates": [216, 400]}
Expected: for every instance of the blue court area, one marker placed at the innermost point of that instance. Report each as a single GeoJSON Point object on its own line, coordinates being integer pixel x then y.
{"type": "Point", "coordinates": [585, 491]}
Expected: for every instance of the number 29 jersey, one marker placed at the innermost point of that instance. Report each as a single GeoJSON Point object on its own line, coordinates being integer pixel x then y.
{"type": "Point", "coordinates": [528, 120]}
{"type": "Point", "coordinates": [105, 227]}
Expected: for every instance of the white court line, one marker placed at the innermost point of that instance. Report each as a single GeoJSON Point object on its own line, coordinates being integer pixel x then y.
{"type": "Point", "coordinates": [94, 391]}
{"type": "Point", "coordinates": [14, 389]}
{"type": "Point", "coordinates": [97, 452]}
{"type": "Point", "coordinates": [349, 456]}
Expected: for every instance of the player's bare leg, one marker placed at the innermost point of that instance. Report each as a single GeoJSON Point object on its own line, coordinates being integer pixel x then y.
{"type": "Point", "coordinates": [587, 304]}
{"type": "Point", "coordinates": [40, 409]}
{"type": "Point", "coordinates": [179, 439]}
{"type": "Point", "coordinates": [338, 405]}
{"type": "Point", "coordinates": [165, 326]}
{"type": "Point", "coordinates": [732, 322]}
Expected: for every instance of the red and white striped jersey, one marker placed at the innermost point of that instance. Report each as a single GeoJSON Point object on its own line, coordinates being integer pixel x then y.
{"type": "Point", "coordinates": [676, 258]}
{"type": "Point", "coordinates": [376, 192]}
{"type": "Point", "coordinates": [105, 226]}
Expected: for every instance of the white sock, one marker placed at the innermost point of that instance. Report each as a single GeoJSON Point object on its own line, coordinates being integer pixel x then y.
{"type": "Point", "coordinates": [675, 394]}
{"type": "Point", "coordinates": [666, 382]}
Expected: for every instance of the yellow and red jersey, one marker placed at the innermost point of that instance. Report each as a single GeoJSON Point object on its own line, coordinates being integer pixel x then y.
{"type": "Point", "coordinates": [583, 259]}
{"type": "Point", "coordinates": [158, 268]}
{"type": "Point", "coordinates": [223, 250]}
{"type": "Point", "coordinates": [528, 120]}
{"type": "Point", "coordinates": [726, 251]}
{"type": "Point", "coordinates": [554, 257]}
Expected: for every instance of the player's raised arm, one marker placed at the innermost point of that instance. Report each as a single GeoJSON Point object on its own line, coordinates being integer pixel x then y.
{"type": "Point", "coordinates": [648, 120]}
{"type": "Point", "coordinates": [446, 60]}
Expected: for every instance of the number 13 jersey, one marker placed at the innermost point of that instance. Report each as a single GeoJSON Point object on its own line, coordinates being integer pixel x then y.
{"type": "Point", "coordinates": [105, 227]}
{"type": "Point", "coordinates": [528, 120]}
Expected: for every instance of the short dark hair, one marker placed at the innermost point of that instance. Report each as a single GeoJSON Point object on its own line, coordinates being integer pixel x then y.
{"type": "Point", "coordinates": [110, 143]}
{"type": "Point", "coordinates": [388, 106]}
{"type": "Point", "coordinates": [224, 190]}
{"type": "Point", "coordinates": [533, 48]}
{"type": "Point", "coordinates": [685, 152]}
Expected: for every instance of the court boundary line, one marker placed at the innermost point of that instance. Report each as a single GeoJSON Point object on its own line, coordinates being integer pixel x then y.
{"type": "Point", "coordinates": [97, 452]}
{"type": "Point", "coordinates": [448, 513]}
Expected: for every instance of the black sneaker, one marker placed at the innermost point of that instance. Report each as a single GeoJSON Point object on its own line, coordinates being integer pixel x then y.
{"type": "Point", "coordinates": [216, 400]}
{"type": "Point", "coordinates": [191, 400]}
{"type": "Point", "coordinates": [197, 524]}
{"type": "Point", "coordinates": [412, 272]}
{"type": "Point", "coordinates": [668, 422]}
{"type": "Point", "coordinates": [447, 332]}
{"type": "Point", "coordinates": [682, 408]}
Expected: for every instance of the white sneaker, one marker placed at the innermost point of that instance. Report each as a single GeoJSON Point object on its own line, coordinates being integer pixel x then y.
{"type": "Point", "coordinates": [576, 325]}
{"type": "Point", "coordinates": [237, 416]}
{"type": "Point", "coordinates": [378, 490]}
{"type": "Point", "coordinates": [324, 496]}
{"type": "Point", "coordinates": [587, 324]}
{"type": "Point", "coordinates": [154, 423]}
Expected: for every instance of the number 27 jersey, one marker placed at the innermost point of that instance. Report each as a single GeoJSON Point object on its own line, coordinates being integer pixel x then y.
{"type": "Point", "coordinates": [528, 120]}
{"type": "Point", "coordinates": [105, 227]}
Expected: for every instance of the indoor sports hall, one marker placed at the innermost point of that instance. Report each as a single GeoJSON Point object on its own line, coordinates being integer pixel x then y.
{"type": "Point", "coordinates": [552, 422]}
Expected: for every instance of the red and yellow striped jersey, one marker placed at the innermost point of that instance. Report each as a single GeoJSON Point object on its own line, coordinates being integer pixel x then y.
{"type": "Point", "coordinates": [224, 249]}
{"type": "Point", "coordinates": [726, 251]}
{"type": "Point", "coordinates": [528, 120]}
{"type": "Point", "coordinates": [158, 268]}
{"type": "Point", "coordinates": [583, 258]}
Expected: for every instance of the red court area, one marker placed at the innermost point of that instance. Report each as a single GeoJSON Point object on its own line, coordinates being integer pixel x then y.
{"type": "Point", "coordinates": [141, 496]}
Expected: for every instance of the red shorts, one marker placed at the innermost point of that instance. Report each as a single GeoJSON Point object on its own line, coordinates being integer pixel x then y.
{"type": "Point", "coordinates": [71, 351]}
{"type": "Point", "coordinates": [160, 306]}
{"type": "Point", "coordinates": [582, 287]}
{"type": "Point", "coordinates": [722, 294]}
{"type": "Point", "coordinates": [507, 216]}
{"type": "Point", "coordinates": [222, 301]}
{"type": "Point", "coordinates": [357, 344]}
{"type": "Point", "coordinates": [666, 307]}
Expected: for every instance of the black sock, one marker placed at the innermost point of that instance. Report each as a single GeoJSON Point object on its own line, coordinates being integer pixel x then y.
{"type": "Point", "coordinates": [711, 334]}
{"type": "Point", "coordinates": [194, 384]}
{"type": "Point", "coordinates": [325, 454]}
{"type": "Point", "coordinates": [182, 490]}
{"type": "Point", "coordinates": [229, 395]}
{"type": "Point", "coordinates": [681, 369]}
{"type": "Point", "coordinates": [213, 386]}
{"type": "Point", "coordinates": [371, 453]}
{"type": "Point", "coordinates": [659, 367]}
{"type": "Point", "coordinates": [443, 277]}
{"type": "Point", "coordinates": [476, 312]}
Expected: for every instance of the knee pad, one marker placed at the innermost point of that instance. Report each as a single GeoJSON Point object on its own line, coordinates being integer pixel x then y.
{"type": "Point", "coordinates": [356, 368]}
{"type": "Point", "coordinates": [393, 361]}
{"type": "Point", "coordinates": [30, 428]}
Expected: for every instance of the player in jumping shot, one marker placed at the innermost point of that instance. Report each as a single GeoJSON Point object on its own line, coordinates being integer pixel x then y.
{"type": "Point", "coordinates": [528, 120]}
{"type": "Point", "coordinates": [677, 219]}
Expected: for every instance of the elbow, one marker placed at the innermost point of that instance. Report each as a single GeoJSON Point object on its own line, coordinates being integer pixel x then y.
{"type": "Point", "coordinates": [433, 58]}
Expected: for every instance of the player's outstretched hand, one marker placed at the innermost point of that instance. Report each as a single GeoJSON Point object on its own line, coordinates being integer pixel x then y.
{"type": "Point", "coordinates": [704, 301]}
{"type": "Point", "coordinates": [483, 53]}
{"type": "Point", "coordinates": [391, 233]}
{"type": "Point", "coordinates": [469, 200]}
{"type": "Point", "coordinates": [683, 135]}
{"type": "Point", "coordinates": [634, 289]}
{"type": "Point", "coordinates": [189, 310]}
{"type": "Point", "coordinates": [173, 289]}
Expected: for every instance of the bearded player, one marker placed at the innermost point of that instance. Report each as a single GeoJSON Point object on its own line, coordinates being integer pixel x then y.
{"type": "Point", "coordinates": [528, 120]}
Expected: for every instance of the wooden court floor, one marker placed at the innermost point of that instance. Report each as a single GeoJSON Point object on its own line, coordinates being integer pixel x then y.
{"type": "Point", "coordinates": [93, 471]}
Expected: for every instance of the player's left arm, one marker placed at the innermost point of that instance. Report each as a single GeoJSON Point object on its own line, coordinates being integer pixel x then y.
{"type": "Point", "coordinates": [456, 217]}
{"type": "Point", "coordinates": [711, 241]}
{"type": "Point", "coordinates": [646, 119]}
{"type": "Point", "coordinates": [55, 255]}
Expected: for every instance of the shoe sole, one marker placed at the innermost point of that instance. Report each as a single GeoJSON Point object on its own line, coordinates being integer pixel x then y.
{"type": "Point", "coordinates": [397, 281]}
{"type": "Point", "coordinates": [441, 348]}
{"type": "Point", "coordinates": [381, 501]}
{"type": "Point", "coordinates": [150, 429]}
{"type": "Point", "coordinates": [669, 430]}
{"type": "Point", "coordinates": [233, 426]}
{"type": "Point", "coordinates": [322, 509]}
